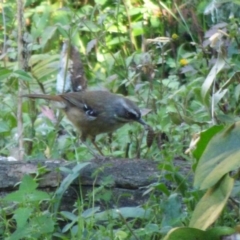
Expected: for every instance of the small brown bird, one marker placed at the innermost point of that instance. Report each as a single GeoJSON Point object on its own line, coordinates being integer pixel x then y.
{"type": "Point", "coordinates": [95, 112]}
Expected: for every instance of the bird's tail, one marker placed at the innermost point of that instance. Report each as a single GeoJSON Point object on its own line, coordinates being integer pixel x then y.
{"type": "Point", "coordinates": [56, 98]}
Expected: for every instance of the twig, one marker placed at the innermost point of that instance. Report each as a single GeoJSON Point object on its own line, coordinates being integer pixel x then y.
{"type": "Point", "coordinates": [129, 228]}
{"type": "Point", "coordinates": [4, 50]}
{"type": "Point", "coordinates": [20, 85]}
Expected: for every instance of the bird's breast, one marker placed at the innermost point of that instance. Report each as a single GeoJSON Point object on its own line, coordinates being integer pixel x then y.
{"type": "Point", "coordinates": [92, 126]}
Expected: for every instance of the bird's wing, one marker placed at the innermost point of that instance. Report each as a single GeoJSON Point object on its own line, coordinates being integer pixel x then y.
{"type": "Point", "coordinates": [76, 99]}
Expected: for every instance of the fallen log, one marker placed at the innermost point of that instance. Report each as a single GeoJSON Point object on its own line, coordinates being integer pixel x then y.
{"type": "Point", "coordinates": [125, 180]}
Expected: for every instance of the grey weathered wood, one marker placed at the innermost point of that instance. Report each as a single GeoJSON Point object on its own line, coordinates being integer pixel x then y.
{"type": "Point", "coordinates": [129, 178]}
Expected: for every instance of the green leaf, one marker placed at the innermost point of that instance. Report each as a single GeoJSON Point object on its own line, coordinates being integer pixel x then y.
{"type": "Point", "coordinates": [27, 184]}
{"type": "Point", "coordinates": [218, 66]}
{"type": "Point", "coordinates": [37, 227]}
{"type": "Point", "coordinates": [90, 212]}
{"type": "Point", "coordinates": [237, 92]}
{"type": "Point", "coordinates": [27, 192]}
{"type": "Point", "coordinates": [44, 223]}
{"type": "Point", "coordinates": [62, 17]}
{"type": "Point", "coordinates": [212, 203]}
{"type": "Point", "coordinates": [69, 215]}
{"type": "Point", "coordinates": [175, 117]}
{"type": "Point", "coordinates": [117, 40]}
{"type": "Point", "coordinates": [25, 76]}
{"type": "Point", "coordinates": [66, 183]}
{"type": "Point", "coordinates": [16, 197]}
{"type": "Point", "coordinates": [21, 216]}
{"type": "Point", "coordinates": [100, 2]}
{"type": "Point", "coordinates": [218, 232]}
{"type": "Point", "coordinates": [205, 137]}
{"type": "Point", "coordinates": [121, 235]}
{"type": "Point", "coordinates": [44, 65]}
{"type": "Point", "coordinates": [186, 233]}
{"type": "Point", "coordinates": [218, 96]}
{"type": "Point", "coordinates": [4, 127]}
{"type": "Point", "coordinates": [171, 211]}
{"type": "Point", "coordinates": [48, 35]}
{"type": "Point", "coordinates": [136, 10]}
{"type": "Point", "coordinates": [220, 157]}
{"type": "Point", "coordinates": [137, 28]}
{"type": "Point", "coordinates": [20, 233]}
{"type": "Point", "coordinates": [90, 26]}
{"type": "Point", "coordinates": [37, 196]}
{"type": "Point", "coordinates": [4, 73]}
{"type": "Point", "coordinates": [126, 212]}
{"type": "Point", "coordinates": [26, 197]}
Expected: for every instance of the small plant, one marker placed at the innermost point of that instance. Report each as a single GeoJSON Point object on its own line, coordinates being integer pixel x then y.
{"type": "Point", "coordinates": [28, 220]}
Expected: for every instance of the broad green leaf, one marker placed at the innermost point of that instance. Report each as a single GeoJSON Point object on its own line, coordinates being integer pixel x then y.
{"type": "Point", "coordinates": [44, 223]}
{"type": "Point", "coordinates": [218, 66]}
{"type": "Point", "coordinates": [69, 215]}
{"type": "Point", "coordinates": [212, 203]}
{"type": "Point", "coordinates": [27, 192]}
{"type": "Point", "coordinates": [175, 117]}
{"type": "Point", "coordinates": [161, 187]}
{"type": "Point", "coordinates": [126, 212]}
{"type": "Point", "coordinates": [40, 19]}
{"type": "Point", "coordinates": [20, 233]}
{"type": "Point", "coordinates": [90, 212]}
{"type": "Point", "coordinates": [117, 29]}
{"type": "Point", "coordinates": [4, 73]}
{"type": "Point", "coordinates": [219, 95]}
{"type": "Point", "coordinates": [137, 29]}
{"type": "Point", "coordinates": [21, 216]}
{"type": "Point", "coordinates": [171, 211]}
{"type": "Point", "coordinates": [43, 69]}
{"type": "Point", "coordinates": [151, 228]}
{"type": "Point", "coordinates": [220, 157]}
{"type": "Point", "coordinates": [48, 34]}
{"type": "Point", "coordinates": [234, 77]}
{"type": "Point", "coordinates": [66, 183]}
{"type": "Point", "coordinates": [219, 232]}
{"type": "Point", "coordinates": [133, 212]}
{"type": "Point", "coordinates": [27, 184]}
{"type": "Point", "coordinates": [101, 2]}
{"type": "Point", "coordinates": [205, 137]}
{"type": "Point", "coordinates": [137, 10]}
{"type": "Point", "coordinates": [62, 16]}
{"type": "Point", "coordinates": [186, 233]}
{"type": "Point", "coordinates": [237, 92]}
{"type": "Point", "coordinates": [91, 44]}
{"type": "Point", "coordinates": [23, 75]}
{"type": "Point", "coordinates": [117, 40]}
{"type": "Point", "coordinates": [24, 197]}
{"type": "Point", "coordinates": [36, 228]}
{"type": "Point", "coordinates": [121, 235]}
{"type": "Point", "coordinates": [90, 26]}
{"type": "Point", "coordinates": [4, 127]}
{"type": "Point", "coordinates": [43, 59]}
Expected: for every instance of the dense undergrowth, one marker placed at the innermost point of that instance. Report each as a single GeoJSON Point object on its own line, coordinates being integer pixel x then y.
{"type": "Point", "coordinates": [179, 61]}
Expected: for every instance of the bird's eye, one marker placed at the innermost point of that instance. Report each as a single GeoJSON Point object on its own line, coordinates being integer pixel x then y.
{"type": "Point", "coordinates": [89, 111]}
{"type": "Point", "coordinates": [86, 108]}
{"type": "Point", "coordinates": [131, 115]}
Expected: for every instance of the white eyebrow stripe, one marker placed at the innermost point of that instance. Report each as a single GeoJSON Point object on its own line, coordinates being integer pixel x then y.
{"type": "Point", "coordinates": [126, 106]}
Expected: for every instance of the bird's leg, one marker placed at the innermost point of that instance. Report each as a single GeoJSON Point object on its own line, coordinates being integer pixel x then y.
{"type": "Point", "coordinates": [90, 148]}
{"type": "Point", "coordinates": [96, 146]}
{"type": "Point", "coordinates": [110, 141]}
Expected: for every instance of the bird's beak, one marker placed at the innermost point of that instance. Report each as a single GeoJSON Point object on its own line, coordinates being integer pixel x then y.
{"type": "Point", "coordinates": [142, 122]}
